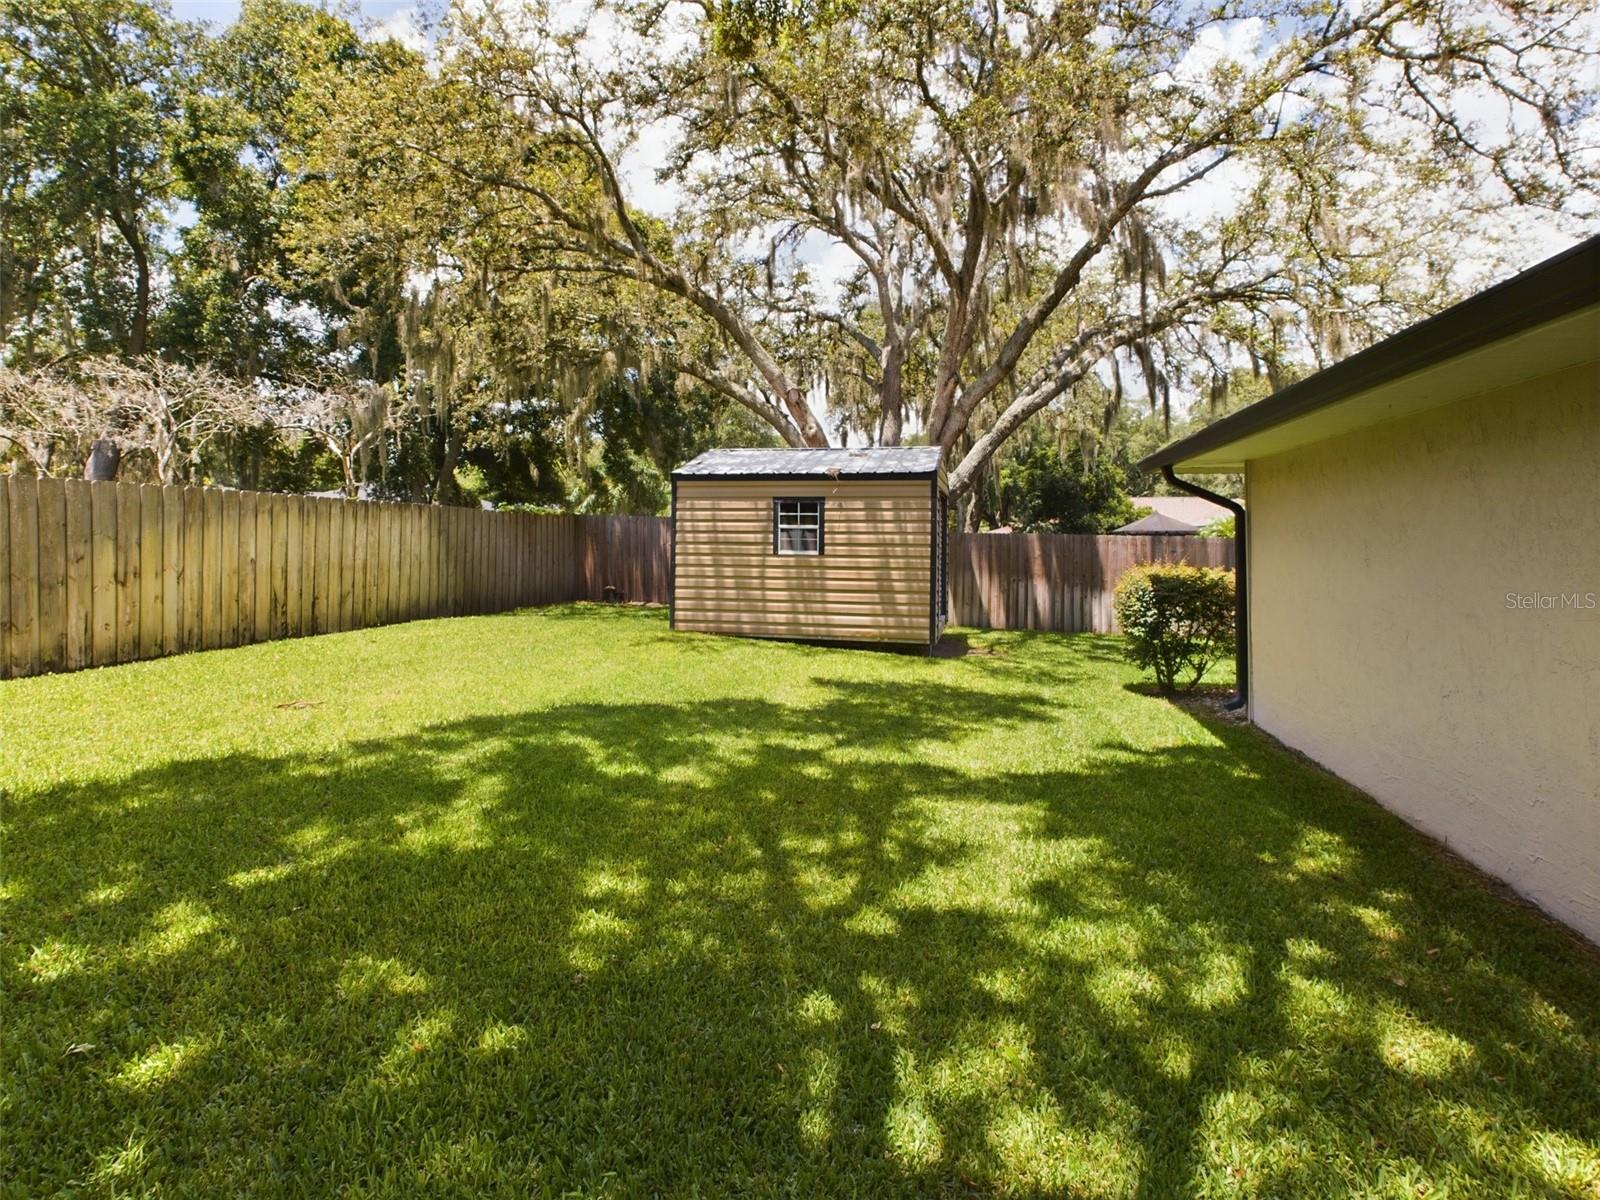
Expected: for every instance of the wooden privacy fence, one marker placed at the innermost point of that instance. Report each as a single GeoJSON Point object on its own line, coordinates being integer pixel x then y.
{"type": "Point", "coordinates": [1058, 581]}
{"type": "Point", "coordinates": [100, 573]}
{"type": "Point", "coordinates": [631, 555]}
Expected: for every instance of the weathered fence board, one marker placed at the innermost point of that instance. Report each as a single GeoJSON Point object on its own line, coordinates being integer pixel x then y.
{"type": "Point", "coordinates": [150, 549]}
{"type": "Point", "coordinates": [52, 501]}
{"type": "Point", "coordinates": [80, 577]}
{"type": "Point", "coordinates": [246, 589]}
{"type": "Point", "coordinates": [171, 569]}
{"type": "Point", "coordinates": [98, 573]}
{"type": "Point", "coordinates": [1058, 581]}
{"type": "Point", "coordinates": [22, 655]}
{"type": "Point", "coordinates": [127, 572]}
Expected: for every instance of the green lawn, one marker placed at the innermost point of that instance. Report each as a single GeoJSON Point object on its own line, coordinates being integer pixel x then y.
{"type": "Point", "coordinates": [559, 902]}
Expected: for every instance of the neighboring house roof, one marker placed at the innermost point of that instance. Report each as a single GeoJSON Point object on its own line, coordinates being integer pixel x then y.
{"type": "Point", "coordinates": [1191, 510]}
{"type": "Point", "coordinates": [1158, 523]}
{"type": "Point", "coordinates": [1534, 324]}
{"type": "Point", "coordinates": [823, 464]}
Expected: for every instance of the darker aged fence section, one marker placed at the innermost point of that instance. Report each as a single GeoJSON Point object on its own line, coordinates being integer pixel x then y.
{"type": "Point", "coordinates": [1058, 581]}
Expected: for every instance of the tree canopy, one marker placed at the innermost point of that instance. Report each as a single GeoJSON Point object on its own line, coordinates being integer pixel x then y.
{"type": "Point", "coordinates": [559, 247]}
{"type": "Point", "coordinates": [1024, 191]}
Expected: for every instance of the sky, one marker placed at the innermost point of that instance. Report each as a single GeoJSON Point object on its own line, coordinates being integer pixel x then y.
{"type": "Point", "coordinates": [398, 16]}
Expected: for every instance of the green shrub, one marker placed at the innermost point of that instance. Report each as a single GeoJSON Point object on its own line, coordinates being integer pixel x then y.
{"type": "Point", "coordinates": [1222, 527]}
{"type": "Point", "coordinates": [1176, 620]}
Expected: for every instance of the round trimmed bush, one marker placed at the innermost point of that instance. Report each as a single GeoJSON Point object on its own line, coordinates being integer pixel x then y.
{"type": "Point", "coordinates": [1177, 620]}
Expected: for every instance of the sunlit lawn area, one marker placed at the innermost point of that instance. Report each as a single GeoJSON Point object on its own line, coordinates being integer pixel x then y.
{"type": "Point", "coordinates": [561, 902]}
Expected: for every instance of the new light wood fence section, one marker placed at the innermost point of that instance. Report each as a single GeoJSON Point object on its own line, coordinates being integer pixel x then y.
{"type": "Point", "coordinates": [99, 573]}
{"type": "Point", "coordinates": [1058, 581]}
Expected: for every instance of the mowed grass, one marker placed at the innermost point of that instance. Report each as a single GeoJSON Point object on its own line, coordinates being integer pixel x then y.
{"type": "Point", "coordinates": [559, 902]}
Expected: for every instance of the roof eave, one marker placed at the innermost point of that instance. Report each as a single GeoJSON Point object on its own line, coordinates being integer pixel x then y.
{"type": "Point", "coordinates": [1555, 288]}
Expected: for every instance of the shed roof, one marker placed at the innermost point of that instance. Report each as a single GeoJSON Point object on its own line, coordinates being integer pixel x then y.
{"type": "Point", "coordinates": [822, 464]}
{"type": "Point", "coordinates": [1533, 324]}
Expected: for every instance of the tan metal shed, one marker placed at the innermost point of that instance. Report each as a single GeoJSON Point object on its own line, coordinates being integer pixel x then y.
{"type": "Point", "coordinates": [814, 545]}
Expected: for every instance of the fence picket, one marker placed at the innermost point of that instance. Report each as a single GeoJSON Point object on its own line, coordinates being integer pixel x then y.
{"type": "Point", "coordinates": [246, 582]}
{"type": "Point", "coordinates": [343, 558]}
{"type": "Point", "coordinates": [52, 509]}
{"type": "Point", "coordinates": [80, 576]}
{"type": "Point", "coordinates": [294, 531]}
{"type": "Point", "coordinates": [152, 598]}
{"type": "Point", "coordinates": [324, 589]}
{"type": "Point", "coordinates": [128, 564]}
{"type": "Point", "coordinates": [191, 567]}
{"type": "Point", "coordinates": [23, 519]}
{"type": "Point", "coordinates": [5, 578]}
{"type": "Point", "coordinates": [171, 569]}
{"type": "Point", "coordinates": [278, 605]}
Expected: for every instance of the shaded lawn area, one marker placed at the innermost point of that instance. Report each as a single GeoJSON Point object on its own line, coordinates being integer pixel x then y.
{"type": "Point", "coordinates": [561, 902]}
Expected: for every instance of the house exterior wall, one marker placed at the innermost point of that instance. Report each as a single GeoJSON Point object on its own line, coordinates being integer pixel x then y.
{"type": "Point", "coordinates": [871, 583]}
{"type": "Point", "coordinates": [1385, 647]}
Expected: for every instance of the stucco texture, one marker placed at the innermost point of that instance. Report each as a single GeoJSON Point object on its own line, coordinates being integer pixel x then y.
{"type": "Point", "coordinates": [1386, 643]}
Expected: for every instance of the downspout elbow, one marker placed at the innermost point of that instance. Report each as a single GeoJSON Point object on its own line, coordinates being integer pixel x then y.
{"type": "Point", "coordinates": [1241, 591]}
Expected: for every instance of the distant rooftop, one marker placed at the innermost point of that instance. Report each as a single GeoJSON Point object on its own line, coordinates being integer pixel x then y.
{"type": "Point", "coordinates": [1157, 523]}
{"type": "Point", "coordinates": [1191, 510]}
{"type": "Point", "coordinates": [873, 460]}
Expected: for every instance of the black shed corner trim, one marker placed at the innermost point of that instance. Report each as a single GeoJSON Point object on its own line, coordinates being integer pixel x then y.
{"type": "Point", "coordinates": [672, 553]}
{"type": "Point", "coordinates": [933, 563]}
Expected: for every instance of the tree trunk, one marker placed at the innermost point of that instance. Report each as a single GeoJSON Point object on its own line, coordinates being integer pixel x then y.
{"type": "Point", "coordinates": [891, 404]}
{"type": "Point", "coordinates": [139, 328]}
{"type": "Point", "coordinates": [141, 303]}
{"type": "Point", "coordinates": [445, 490]}
{"type": "Point", "coordinates": [104, 458]}
{"type": "Point", "coordinates": [800, 412]}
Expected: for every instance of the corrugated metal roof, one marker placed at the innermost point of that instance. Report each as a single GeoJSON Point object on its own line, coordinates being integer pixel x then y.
{"type": "Point", "coordinates": [872, 460]}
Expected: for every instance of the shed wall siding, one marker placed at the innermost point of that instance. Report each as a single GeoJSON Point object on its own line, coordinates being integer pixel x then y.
{"type": "Point", "coordinates": [870, 584]}
{"type": "Point", "coordinates": [1384, 645]}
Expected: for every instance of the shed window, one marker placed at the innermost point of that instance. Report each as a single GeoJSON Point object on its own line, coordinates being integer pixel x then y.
{"type": "Point", "coordinates": [797, 526]}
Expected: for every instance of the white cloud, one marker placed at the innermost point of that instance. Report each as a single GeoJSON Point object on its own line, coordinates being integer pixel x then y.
{"type": "Point", "coordinates": [1231, 42]}
{"type": "Point", "coordinates": [405, 26]}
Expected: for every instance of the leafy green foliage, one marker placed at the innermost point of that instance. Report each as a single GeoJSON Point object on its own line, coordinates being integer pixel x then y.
{"type": "Point", "coordinates": [1043, 490]}
{"type": "Point", "coordinates": [1222, 527]}
{"type": "Point", "coordinates": [1177, 621]}
{"type": "Point", "coordinates": [559, 903]}
{"type": "Point", "coordinates": [1001, 196]}
{"type": "Point", "coordinates": [648, 427]}
{"type": "Point", "coordinates": [92, 91]}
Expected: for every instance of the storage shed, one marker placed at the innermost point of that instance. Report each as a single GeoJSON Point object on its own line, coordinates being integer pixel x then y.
{"type": "Point", "coordinates": [816, 545]}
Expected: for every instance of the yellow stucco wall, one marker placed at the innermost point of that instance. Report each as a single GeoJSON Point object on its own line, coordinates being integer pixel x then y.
{"type": "Point", "coordinates": [1385, 647]}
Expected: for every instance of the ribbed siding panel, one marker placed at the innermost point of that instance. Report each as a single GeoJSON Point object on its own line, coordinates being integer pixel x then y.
{"type": "Point", "coordinates": [870, 584]}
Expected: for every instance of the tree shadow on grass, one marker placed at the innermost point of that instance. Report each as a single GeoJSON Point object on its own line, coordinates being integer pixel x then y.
{"type": "Point", "coordinates": [743, 947]}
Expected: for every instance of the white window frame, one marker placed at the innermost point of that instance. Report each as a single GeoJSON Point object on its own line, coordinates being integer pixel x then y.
{"type": "Point", "coordinates": [798, 518]}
